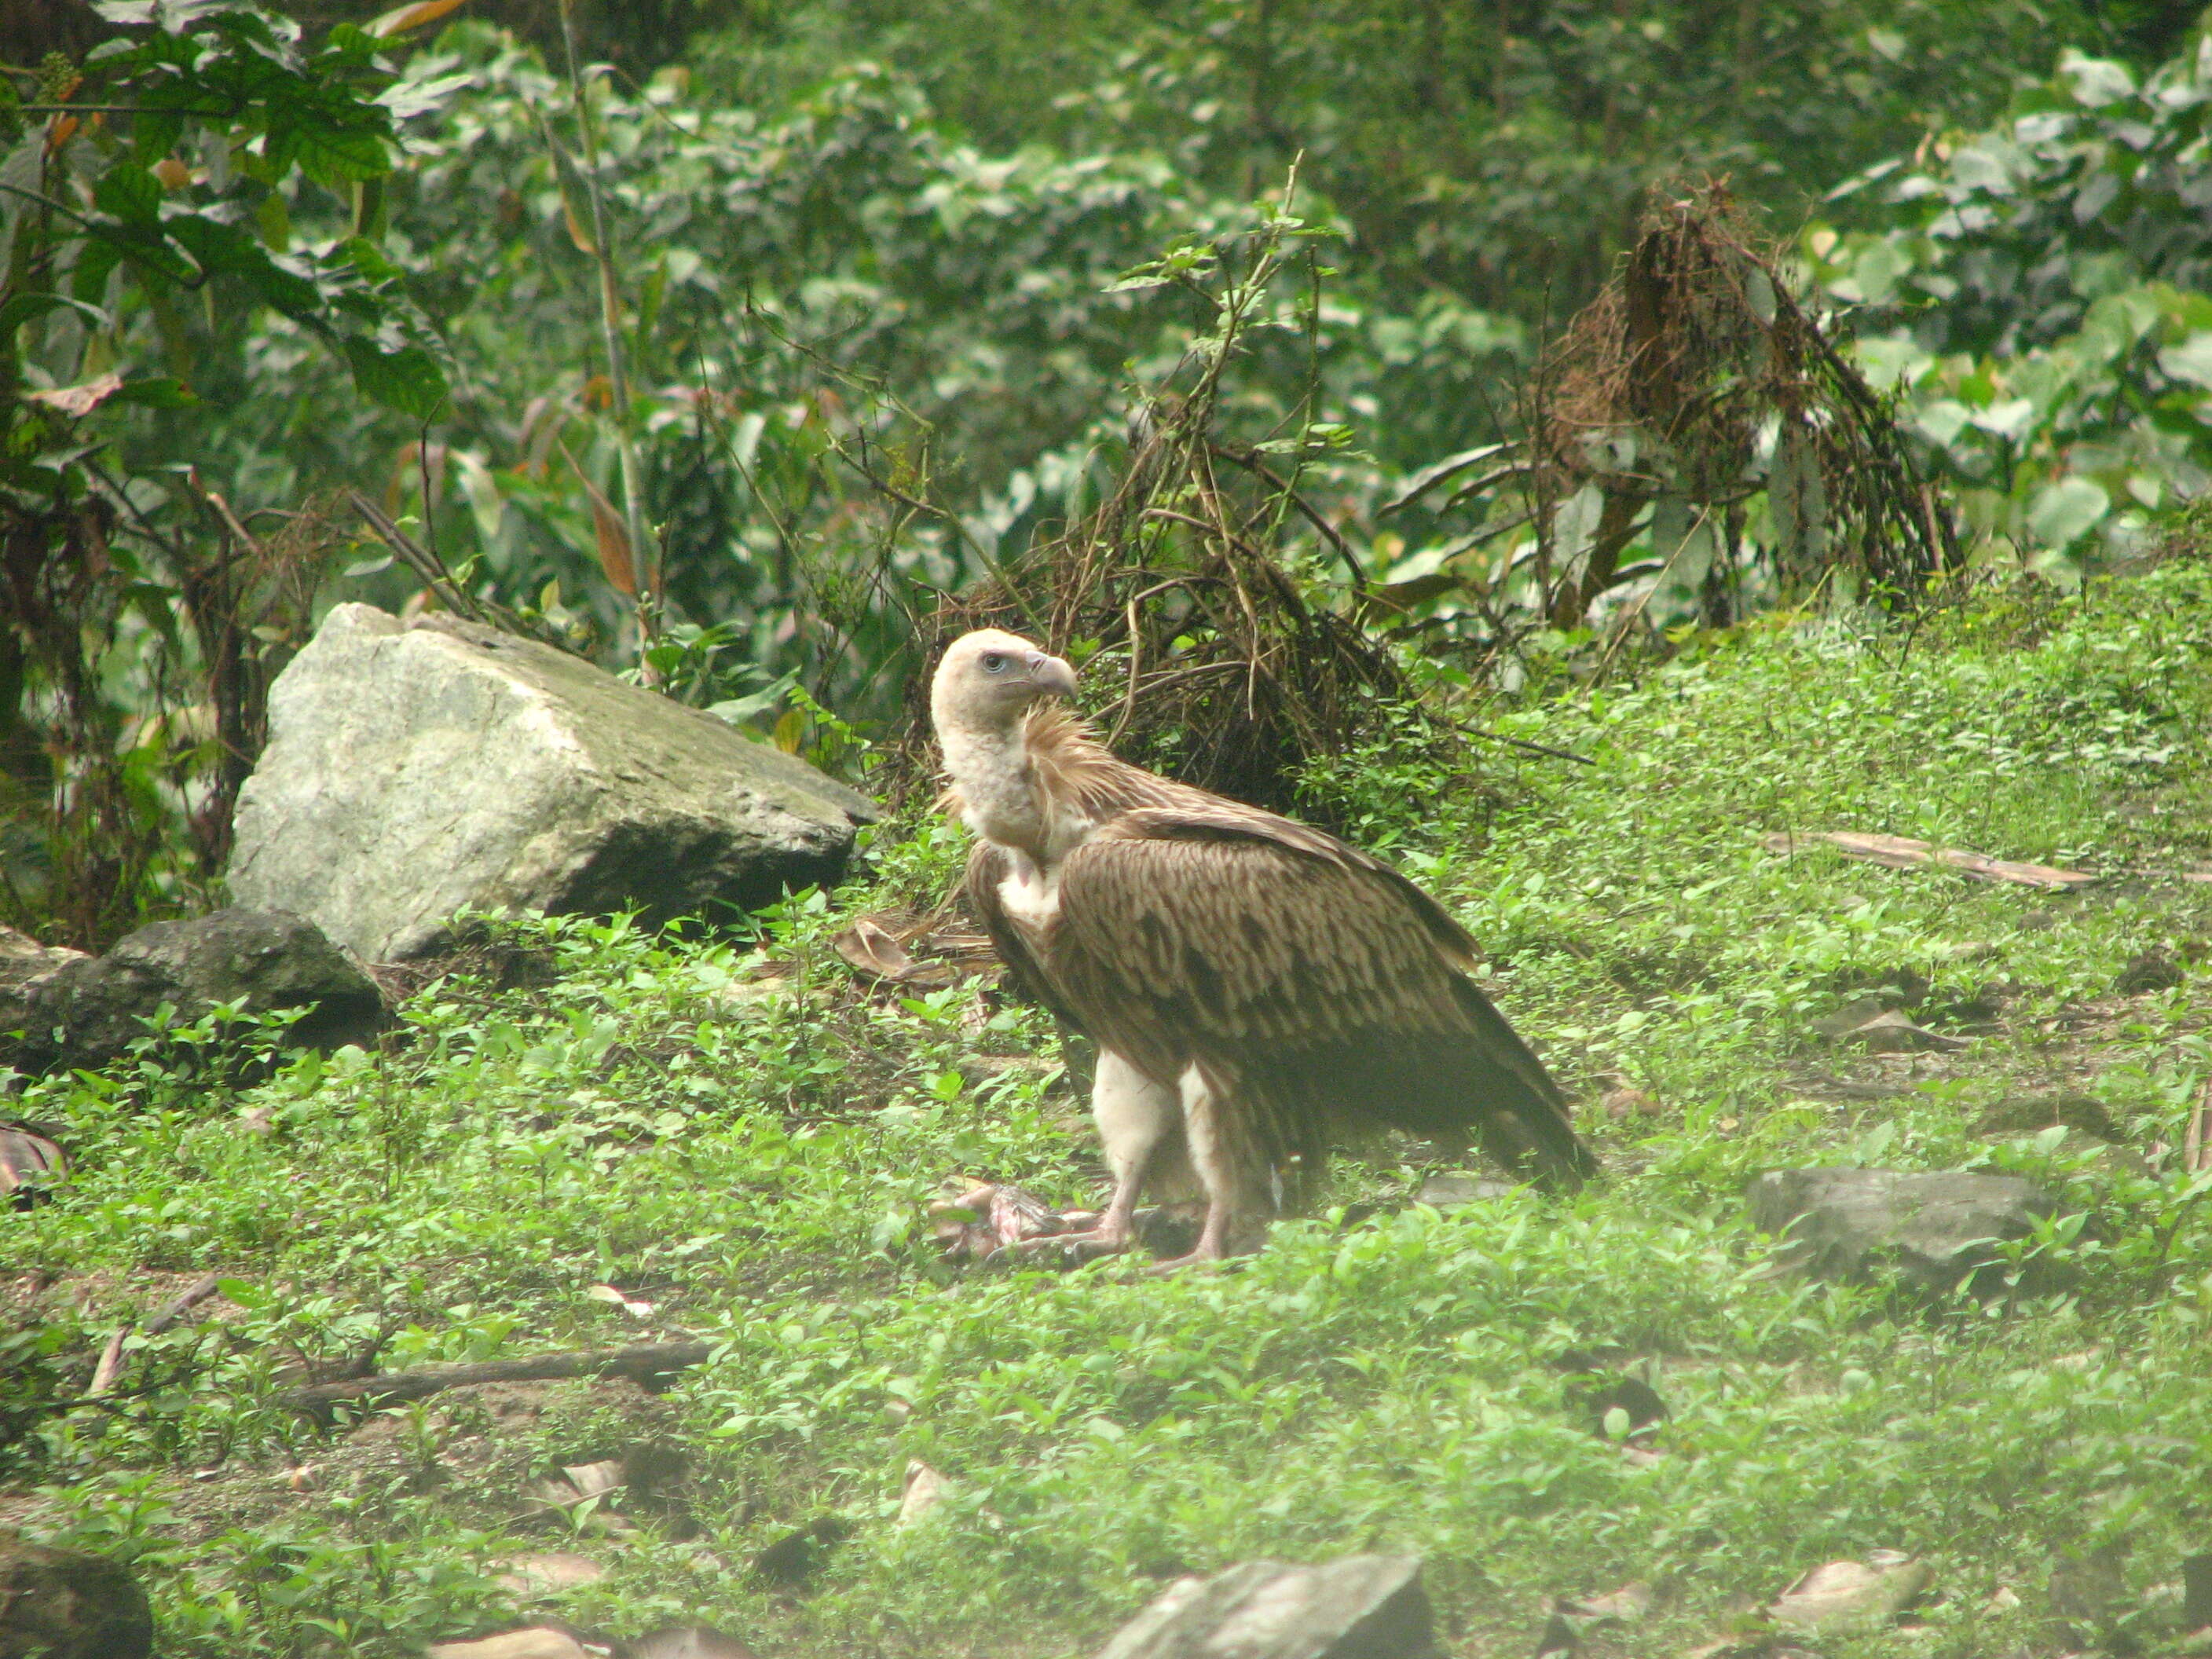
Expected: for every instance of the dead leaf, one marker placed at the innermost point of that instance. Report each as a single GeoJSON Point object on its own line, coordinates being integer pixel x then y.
{"type": "Point", "coordinates": [874, 950]}
{"type": "Point", "coordinates": [615, 557]}
{"type": "Point", "coordinates": [925, 1490]}
{"type": "Point", "coordinates": [1846, 1593]}
{"type": "Point", "coordinates": [608, 1293]}
{"type": "Point", "coordinates": [594, 1479]}
{"type": "Point", "coordinates": [401, 19]}
{"type": "Point", "coordinates": [541, 1575]}
{"type": "Point", "coordinates": [1903, 852]}
{"type": "Point", "coordinates": [76, 401]}
{"type": "Point", "coordinates": [1626, 1102]}
{"type": "Point", "coordinates": [172, 173]}
{"type": "Point", "coordinates": [1630, 1602]}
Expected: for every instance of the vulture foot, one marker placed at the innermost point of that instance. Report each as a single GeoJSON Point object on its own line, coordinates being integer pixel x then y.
{"type": "Point", "coordinates": [1078, 1246]}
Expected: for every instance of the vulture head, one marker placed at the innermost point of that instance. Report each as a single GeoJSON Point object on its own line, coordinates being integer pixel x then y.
{"type": "Point", "coordinates": [990, 679]}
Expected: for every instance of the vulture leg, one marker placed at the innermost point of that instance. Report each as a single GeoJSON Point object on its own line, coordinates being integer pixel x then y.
{"type": "Point", "coordinates": [1136, 1118]}
{"type": "Point", "coordinates": [1230, 1166]}
{"type": "Point", "coordinates": [1139, 1120]}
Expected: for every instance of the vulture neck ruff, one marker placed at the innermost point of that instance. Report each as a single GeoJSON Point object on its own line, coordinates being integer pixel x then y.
{"type": "Point", "coordinates": [1006, 778]}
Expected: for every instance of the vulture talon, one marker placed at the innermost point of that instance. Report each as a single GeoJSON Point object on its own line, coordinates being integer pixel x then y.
{"type": "Point", "coordinates": [1082, 1246]}
{"type": "Point", "coordinates": [1248, 979]}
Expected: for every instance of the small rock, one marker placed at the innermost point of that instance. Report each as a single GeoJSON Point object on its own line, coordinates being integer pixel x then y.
{"type": "Point", "coordinates": [2196, 1592]}
{"type": "Point", "coordinates": [1937, 1228]}
{"type": "Point", "coordinates": [265, 961]}
{"type": "Point", "coordinates": [24, 965]}
{"type": "Point", "coordinates": [2148, 972]}
{"type": "Point", "coordinates": [541, 1575]}
{"type": "Point", "coordinates": [2022, 1114]}
{"type": "Point", "coordinates": [1452, 1192]}
{"type": "Point", "coordinates": [925, 1490]}
{"type": "Point", "coordinates": [1843, 1594]}
{"type": "Point", "coordinates": [1358, 1607]}
{"type": "Point", "coordinates": [63, 1604]}
{"type": "Point", "coordinates": [799, 1554]}
{"type": "Point", "coordinates": [2089, 1586]}
{"type": "Point", "coordinates": [533, 1642]}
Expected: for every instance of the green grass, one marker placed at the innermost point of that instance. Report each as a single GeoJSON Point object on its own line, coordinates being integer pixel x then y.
{"type": "Point", "coordinates": [755, 1163]}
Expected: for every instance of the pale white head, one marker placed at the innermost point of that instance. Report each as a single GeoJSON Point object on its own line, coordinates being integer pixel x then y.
{"type": "Point", "coordinates": [990, 679]}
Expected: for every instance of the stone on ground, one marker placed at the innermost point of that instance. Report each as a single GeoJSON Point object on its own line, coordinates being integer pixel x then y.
{"type": "Point", "coordinates": [1359, 1607]}
{"type": "Point", "coordinates": [24, 965]}
{"type": "Point", "coordinates": [548, 1641]}
{"type": "Point", "coordinates": [415, 769]}
{"type": "Point", "coordinates": [63, 1604]}
{"type": "Point", "coordinates": [92, 1010]}
{"type": "Point", "coordinates": [1936, 1229]}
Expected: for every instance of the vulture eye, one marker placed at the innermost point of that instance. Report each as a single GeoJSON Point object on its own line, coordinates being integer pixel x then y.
{"type": "Point", "coordinates": [993, 663]}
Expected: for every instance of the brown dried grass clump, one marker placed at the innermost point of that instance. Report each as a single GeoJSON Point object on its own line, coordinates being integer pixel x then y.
{"type": "Point", "coordinates": [1206, 658]}
{"type": "Point", "coordinates": [1663, 389]}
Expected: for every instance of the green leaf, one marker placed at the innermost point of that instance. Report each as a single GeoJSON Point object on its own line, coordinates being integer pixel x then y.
{"type": "Point", "coordinates": [2064, 512]}
{"type": "Point", "coordinates": [407, 380]}
{"type": "Point", "coordinates": [2191, 361]}
{"type": "Point", "coordinates": [20, 309]}
{"type": "Point", "coordinates": [132, 193]}
{"type": "Point", "coordinates": [156, 392]}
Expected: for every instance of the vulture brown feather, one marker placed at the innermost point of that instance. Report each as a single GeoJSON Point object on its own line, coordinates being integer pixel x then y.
{"type": "Point", "coordinates": [1255, 987]}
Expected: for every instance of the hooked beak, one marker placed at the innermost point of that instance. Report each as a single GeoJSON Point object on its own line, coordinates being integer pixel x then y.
{"type": "Point", "coordinates": [1052, 674]}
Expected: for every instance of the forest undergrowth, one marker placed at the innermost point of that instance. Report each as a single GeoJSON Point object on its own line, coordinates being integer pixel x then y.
{"type": "Point", "coordinates": [654, 1138]}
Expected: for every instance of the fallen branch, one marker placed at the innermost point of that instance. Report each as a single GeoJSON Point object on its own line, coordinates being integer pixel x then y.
{"type": "Point", "coordinates": [1902, 853]}
{"type": "Point", "coordinates": [110, 1366]}
{"type": "Point", "coordinates": [109, 1370]}
{"type": "Point", "coordinates": [183, 1303]}
{"type": "Point", "coordinates": [641, 1363]}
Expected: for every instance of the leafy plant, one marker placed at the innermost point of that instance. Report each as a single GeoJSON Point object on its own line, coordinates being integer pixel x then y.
{"type": "Point", "coordinates": [145, 216]}
{"type": "Point", "coordinates": [2032, 294]}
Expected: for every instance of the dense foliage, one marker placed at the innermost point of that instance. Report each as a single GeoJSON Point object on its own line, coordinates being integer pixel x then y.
{"type": "Point", "coordinates": [2038, 297]}
{"type": "Point", "coordinates": [145, 225]}
{"type": "Point", "coordinates": [728, 372]}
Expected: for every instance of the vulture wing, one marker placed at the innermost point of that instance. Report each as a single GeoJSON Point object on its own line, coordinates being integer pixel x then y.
{"type": "Point", "coordinates": [986, 868]}
{"type": "Point", "coordinates": [1326, 985]}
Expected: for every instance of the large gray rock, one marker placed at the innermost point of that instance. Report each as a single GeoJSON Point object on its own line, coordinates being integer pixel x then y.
{"type": "Point", "coordinates": [264, 961]}
{"type": "Point", "coordinates": [1358, 1607]}
{"type": "Point", "coordinates": [61, 1604]}
{"type": "Point", "coordinates": [415, 769]}
{"type": "Point", "coordinates": [24, 965]}
{"type": "Point", "coordinates": [1935, 1229]}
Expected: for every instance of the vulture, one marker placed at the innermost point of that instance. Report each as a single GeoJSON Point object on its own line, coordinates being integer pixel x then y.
{"type": "Point", "coordinates": [1256, 987]}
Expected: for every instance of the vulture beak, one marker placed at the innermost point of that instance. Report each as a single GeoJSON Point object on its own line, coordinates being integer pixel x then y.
{"type": "Point", "coordinates": [1052, 674]}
